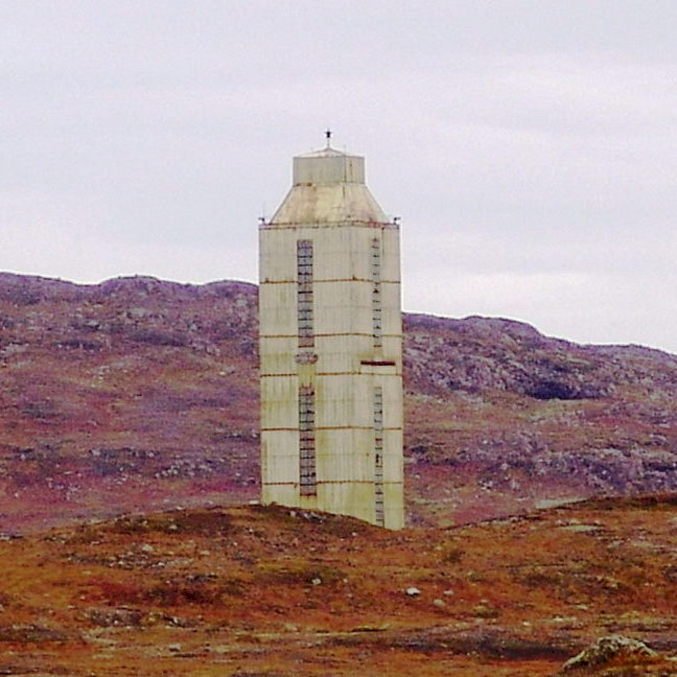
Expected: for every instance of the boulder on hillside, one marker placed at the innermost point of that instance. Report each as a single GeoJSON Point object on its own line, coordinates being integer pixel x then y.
{"type": "Point", "coordinates": [608, 651]}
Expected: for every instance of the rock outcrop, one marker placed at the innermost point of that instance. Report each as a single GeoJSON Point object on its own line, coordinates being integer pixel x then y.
{"type": "Point", "coordinates": [612, 650]}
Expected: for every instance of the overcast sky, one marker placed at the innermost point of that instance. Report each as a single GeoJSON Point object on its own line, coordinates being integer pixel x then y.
{"type": "Point", "coordinates": [530, 148]}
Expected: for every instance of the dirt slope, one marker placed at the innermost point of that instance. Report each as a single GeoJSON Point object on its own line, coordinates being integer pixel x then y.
{"type": "Point", "coordinates": [271, 591]}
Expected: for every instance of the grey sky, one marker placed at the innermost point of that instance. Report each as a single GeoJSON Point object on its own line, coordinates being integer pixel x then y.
{"type": "Point", "coordinates": [529, 147]}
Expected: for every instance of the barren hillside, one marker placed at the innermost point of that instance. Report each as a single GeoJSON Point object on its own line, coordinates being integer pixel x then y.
{"type": "Point", "coordinates": [138, 394]}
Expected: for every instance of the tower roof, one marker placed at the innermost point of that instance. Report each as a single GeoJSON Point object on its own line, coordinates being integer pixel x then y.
{"type": "Point", "coordinates": [328, 187]}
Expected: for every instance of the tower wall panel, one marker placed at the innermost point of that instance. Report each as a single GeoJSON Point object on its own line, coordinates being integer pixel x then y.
{"type": "Point", "coordinates": [279, 407]}
{"type": "Point", "coordinates": [281, 465]}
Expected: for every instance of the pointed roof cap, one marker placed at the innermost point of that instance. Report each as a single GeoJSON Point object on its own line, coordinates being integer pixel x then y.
{"type": "Point", "coordinates": [327, 151]}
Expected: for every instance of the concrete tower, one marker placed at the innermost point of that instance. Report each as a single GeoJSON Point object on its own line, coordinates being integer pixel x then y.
{"type": "Point", "coordinates": [331, 346]}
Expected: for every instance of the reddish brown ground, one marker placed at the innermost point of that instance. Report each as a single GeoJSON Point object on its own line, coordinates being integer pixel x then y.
{"type": "Point", "coordinates": [272, 591]}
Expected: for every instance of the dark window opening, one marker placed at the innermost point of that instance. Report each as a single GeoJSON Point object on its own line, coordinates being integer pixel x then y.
{"type": "Point", "coordinates": [378, 456]}
{"type": "Point", "coordinates": [307, 476]}
{"type": "Point", "coordinates": [376, 307]}
{"type": "Point", "coordinates": [304, 293]}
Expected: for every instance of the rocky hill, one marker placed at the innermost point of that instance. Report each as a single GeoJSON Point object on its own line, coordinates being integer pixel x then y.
{"type": "Point", "coordinates": [138, 394]}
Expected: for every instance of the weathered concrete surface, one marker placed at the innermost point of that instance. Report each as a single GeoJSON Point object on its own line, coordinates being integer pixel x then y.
{"type": "Point", "coordinates": [350, 358]}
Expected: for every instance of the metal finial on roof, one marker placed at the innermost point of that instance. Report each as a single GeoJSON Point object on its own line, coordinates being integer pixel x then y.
{"type": "Point", "coordinates": [328, 135]}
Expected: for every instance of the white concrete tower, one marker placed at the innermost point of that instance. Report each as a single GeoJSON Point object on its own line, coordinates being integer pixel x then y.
{"type": "Point", "coordinates": [331, 346]}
